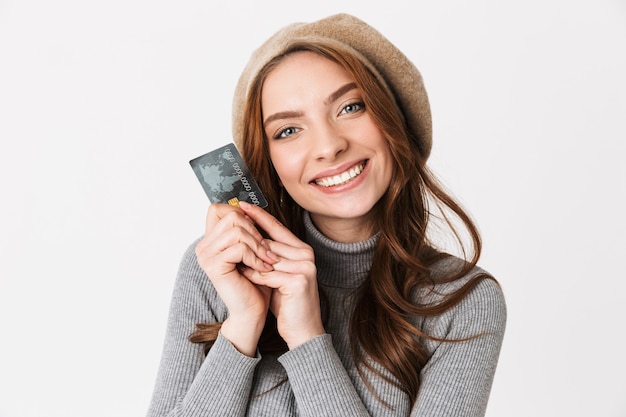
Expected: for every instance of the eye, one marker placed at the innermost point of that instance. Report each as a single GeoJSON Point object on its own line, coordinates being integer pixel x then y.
{"type": "Point", "coordinates": [285, 132]}
{"type": "Point", "coordinates": [353, 107]}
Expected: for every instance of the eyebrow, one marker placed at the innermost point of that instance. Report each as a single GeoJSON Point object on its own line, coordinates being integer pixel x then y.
{"type": "Point", "coordinates": [282, 115]}
{"type": "Point", "coordinates": [340, 92]}
{"type": "Point", "coordinates": [332, 97]}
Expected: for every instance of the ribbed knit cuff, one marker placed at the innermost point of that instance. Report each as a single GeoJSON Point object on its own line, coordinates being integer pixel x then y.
{"type": "Point", "coordinates": [224, 381]}
{"type": "Point", "coordinates": [319, 381]}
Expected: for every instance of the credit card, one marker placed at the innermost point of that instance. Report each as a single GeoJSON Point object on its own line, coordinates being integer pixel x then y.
{"type": "Point", "coordinates": [225, 178]}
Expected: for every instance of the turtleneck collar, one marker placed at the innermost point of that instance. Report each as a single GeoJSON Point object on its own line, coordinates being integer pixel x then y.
{"type": "Point", "coordinates": [342, 265]}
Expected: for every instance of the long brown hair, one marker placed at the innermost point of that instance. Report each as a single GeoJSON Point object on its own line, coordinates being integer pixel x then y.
{"type": "Point", "coordinates": [380, 324]}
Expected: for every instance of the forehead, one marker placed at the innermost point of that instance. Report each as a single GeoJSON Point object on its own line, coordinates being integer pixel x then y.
{"type": "Point", "coordinates": [303, 73]}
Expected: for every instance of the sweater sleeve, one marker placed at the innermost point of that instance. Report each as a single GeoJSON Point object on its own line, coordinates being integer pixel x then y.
{"type": "Point", "coordinates": [457, 379]}
{"type": "Point", "coordinates": [188, 383]}
{"type": "Point", "coordinates": [319, 381]}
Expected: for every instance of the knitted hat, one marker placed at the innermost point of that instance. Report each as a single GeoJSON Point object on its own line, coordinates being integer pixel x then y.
{"type": "Point", "coordinates": [396, 72]}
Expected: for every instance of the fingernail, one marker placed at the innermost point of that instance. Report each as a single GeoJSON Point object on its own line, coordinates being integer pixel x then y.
{"type": "Point", "coordinates": [244, 205]}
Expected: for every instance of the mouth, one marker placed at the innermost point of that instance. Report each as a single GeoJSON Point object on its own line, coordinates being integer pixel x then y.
{"type": "Point", "coordinates": [342, 178]}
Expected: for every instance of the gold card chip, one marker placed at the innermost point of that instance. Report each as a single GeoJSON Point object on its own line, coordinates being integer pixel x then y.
{"type": "Point", "coordinates": [234, 202]}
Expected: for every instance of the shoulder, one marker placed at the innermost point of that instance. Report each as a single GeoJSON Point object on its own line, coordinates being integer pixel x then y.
{"type": "Point", "coordinates": [485, 283]}
{"type": "Point", "coordinates": [191, 280]}
{"type": "Point", "coordinates": [482, 308]}
{"type": "Point", "coordinates": [189, 260]}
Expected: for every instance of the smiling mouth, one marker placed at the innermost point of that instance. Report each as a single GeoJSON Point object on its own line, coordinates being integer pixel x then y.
{"type": "Point", "coordinates": [342, 178]}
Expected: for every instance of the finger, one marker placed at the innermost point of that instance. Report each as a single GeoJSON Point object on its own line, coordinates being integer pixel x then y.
{"type": "Point", "coordinates": [242, 254]}
{"type": "Point", "coordinates": [285, 251]}
{"type": "Point", "coordinates": [219, 240]}
{"type": "Point", "coordinates": [274, 279]}
{"type": "Point", "coordinates": [270, 224]}
{"type": "Point", "coordinates": [287, 284]}
{"type": "Point", "coordinates": [234, 227]}
{"type": "Point", "coordinates": [216, 212]}
{"type": "Point", "coordinates": [239, 246]}
{"type": "Point", "coordinates": [295, 267]}
{"type": "Point", "coordinates": [220, 216]}
{"type": "Point", "coordinates": [224, 264]}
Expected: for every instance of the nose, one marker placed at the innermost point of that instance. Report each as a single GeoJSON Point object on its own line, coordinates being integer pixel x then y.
{"type": "Point", "coordinates": [329, 143]}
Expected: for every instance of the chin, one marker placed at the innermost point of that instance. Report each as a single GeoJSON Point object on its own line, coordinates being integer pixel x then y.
{"type": "Point", "coordinates": [347, 213]}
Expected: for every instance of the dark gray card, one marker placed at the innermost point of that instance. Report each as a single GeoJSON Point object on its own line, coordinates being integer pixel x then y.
{"type": "Point", "coordinates": [226, 178]}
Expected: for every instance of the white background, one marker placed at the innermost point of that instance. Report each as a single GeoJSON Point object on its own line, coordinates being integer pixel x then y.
{"type": "Point", "coordinates": [102, 105]}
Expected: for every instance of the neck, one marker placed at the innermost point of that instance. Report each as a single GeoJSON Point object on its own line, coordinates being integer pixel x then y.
{"type": "Point", "coordinates": [341, 265]}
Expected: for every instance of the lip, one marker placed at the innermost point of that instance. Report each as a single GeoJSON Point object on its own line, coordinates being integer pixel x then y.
{"type": "Point", "coordinates": [339, 170]}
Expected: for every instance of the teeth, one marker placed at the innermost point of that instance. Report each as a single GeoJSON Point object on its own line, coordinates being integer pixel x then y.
{"type": "Point", "coordinates": [341, 178]}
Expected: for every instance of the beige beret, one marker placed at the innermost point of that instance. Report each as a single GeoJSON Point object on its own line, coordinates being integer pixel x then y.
{"type": "Point", "coordinates": [389, 65]}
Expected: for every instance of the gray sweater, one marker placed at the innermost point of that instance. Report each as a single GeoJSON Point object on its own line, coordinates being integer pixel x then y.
{"type": "Point", "coordinates": [321, 378]}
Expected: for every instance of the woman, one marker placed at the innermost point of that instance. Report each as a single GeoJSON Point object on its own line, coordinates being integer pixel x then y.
{"type": "Point", "coordinates": [335, 301]}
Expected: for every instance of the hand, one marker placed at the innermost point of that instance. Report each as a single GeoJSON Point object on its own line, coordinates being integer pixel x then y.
{"type": "Point", "coordinates": [295, 299]}
{"type": "Point", "coordinates": [232, 242]}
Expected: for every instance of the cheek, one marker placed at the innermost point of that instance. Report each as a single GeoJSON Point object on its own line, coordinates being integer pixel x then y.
{"type": "Point", "coordinates": [287, 165]}
{"type": "Point", "coordinates": [388, 165]}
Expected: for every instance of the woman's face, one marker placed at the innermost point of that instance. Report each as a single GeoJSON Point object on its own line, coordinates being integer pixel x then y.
{"type": "Point", "coordinates": [330, 156]}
